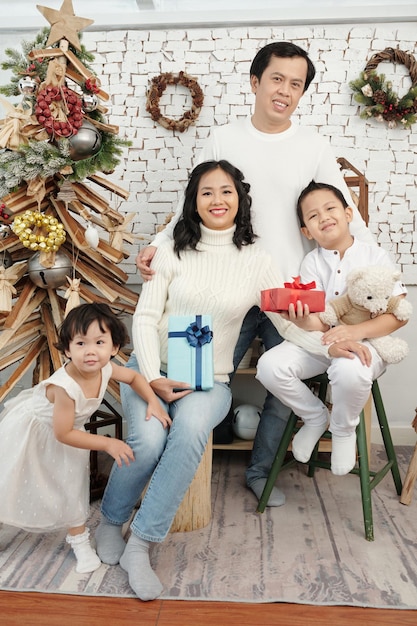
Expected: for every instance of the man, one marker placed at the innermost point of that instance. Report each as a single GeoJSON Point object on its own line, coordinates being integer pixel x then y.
{"type": "Point", "coordinates": [278, 158]}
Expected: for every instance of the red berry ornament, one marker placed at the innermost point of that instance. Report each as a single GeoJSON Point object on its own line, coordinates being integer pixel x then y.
{"type": "Point", "coordinates": [70, 104]}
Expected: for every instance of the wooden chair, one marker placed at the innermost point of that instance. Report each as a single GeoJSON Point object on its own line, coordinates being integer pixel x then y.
{"type": "Point", "coordinates": [358, 186]}
{"type": "Point", "coordinates": [368, 479]}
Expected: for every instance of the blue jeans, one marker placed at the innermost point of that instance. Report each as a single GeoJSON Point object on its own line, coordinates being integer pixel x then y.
{"type": "Point", "coordinates": [166, 458]}
{"type": "Point", "coordinates": [274, 414]}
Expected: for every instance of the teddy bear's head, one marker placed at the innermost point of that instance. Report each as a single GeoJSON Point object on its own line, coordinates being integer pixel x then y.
{"type": "Point", "coordinates": [371, 287]}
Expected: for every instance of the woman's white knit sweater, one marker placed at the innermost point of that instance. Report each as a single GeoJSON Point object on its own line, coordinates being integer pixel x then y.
{"type": "Point", "coordinates": [217, 280]}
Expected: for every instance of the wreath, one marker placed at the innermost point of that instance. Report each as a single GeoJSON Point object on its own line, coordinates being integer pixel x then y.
{"type": "Point", "coordinates": [38, 231]}
{"type": "Point", "coordinates": [158, 86]}
{"type": "Point", "coordinates": [58, 110]}
{"type": "Point", "coordinates": [376, 94]}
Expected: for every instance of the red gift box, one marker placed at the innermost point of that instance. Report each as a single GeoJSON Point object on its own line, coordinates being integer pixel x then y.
{"type": "Point", "coordinates": [278, 300]}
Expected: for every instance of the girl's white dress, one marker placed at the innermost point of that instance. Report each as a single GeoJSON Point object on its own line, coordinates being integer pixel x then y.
{"type": "Point", "coordinates": [44, 484]}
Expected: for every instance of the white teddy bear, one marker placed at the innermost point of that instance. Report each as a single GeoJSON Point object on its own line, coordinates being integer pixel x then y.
{"type": "Point", "coordinates": [369, 294]}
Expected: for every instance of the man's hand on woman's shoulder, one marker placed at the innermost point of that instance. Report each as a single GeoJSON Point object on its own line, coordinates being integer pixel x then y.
{"type": "Point", "coordinates": [143, 262]}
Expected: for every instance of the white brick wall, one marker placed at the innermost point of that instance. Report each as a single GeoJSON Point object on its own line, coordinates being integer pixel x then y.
{"type": "Point", "coordinates": [156, 167]}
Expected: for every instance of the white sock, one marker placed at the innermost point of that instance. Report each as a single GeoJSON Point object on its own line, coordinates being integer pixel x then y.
{"type": "Point", "coordinates": [343, 456]}
{"type": "Point", "coordinates": [87, 559]}
{"type": "Point", "coordinates": [135, 561]}
{"type": "Point", "coordinates": [305, 439]}
{"type": "Point", "coordinates": [109, 541]}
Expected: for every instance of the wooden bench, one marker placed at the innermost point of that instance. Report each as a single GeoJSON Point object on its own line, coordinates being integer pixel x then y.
{"type": "Point", "coordinates": [194, 511]}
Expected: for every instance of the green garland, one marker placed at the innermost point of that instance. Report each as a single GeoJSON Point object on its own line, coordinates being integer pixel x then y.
{"type": "Point", "coordinates": [377, 96]}
{"type": "Point", "coordinates": [38, 158]}
{"type": "Point", "coordinates": [43, 159]}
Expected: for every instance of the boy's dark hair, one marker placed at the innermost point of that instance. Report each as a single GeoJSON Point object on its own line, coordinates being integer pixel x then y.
{"type": "Point", "coordinates": [280, 49]}
{"type": "Point", "coordinates": [187, 232]}
{"type": "Point", "coordinates": [313, 186]}
{"type": "Point", "coordinates": [80, 319]}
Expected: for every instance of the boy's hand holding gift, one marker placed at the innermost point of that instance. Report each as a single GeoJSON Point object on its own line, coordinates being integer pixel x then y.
{"type": "Point", "coordinates": [303, 298]}
{"type": "Point", "coordinates": [278, 300]}
{"type": "Point", "coordinates": [295, 301]}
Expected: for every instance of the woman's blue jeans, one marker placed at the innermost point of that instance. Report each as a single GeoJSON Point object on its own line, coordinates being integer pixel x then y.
{"type": "Point", "coordinates": [166, 458]}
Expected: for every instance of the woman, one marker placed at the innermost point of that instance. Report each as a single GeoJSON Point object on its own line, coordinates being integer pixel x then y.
{"type": "Point", "coordinates": [214, 267]}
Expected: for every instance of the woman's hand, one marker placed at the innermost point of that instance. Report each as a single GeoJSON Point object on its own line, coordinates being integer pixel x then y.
{"type": "Point", "coordinates": [170, 390]}
{"type": "Point", "coordinates": [155, 409]}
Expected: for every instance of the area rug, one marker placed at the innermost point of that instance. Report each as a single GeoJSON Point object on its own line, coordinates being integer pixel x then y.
{"type": "Point", "coordinates": [310, 551]}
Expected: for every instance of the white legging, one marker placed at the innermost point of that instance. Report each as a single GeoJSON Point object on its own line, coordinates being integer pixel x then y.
{"type": "Point", "coordinates": [282, 369]}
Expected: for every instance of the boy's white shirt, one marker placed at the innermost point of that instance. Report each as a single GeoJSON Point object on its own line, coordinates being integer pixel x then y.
{"type": "Point", "coordinates": [329, 271]}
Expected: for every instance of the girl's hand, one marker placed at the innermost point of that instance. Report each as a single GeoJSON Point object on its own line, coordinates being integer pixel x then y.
{"type": "Point", "coordinates": [169, 390]}
{"type": "Point", "coordinates": [120, 451]}
{"type": "Point", "coordinates": [156, 410]}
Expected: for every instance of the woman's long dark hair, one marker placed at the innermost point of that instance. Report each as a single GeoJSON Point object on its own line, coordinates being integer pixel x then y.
{"type": "Point", "coordinates": [187, 231]}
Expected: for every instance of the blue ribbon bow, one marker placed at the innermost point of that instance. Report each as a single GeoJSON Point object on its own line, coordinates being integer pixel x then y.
{"type": "Point", "coordinates": [197, 336]}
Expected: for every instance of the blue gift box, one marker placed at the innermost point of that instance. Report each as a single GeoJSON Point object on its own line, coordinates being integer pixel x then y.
{"type": "Point", "coordinates": [190, 350]}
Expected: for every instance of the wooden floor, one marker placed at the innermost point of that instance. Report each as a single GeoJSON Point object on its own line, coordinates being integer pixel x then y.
{"type": "Point", "coordinates": [39, 609]}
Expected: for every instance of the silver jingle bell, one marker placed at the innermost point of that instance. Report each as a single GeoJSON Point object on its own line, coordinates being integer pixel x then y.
{"type": "Point", "coordinates": [27, 85]}
{"type": "Point", "coordinates": [86, 143]}
{"type": "Point", "coordinates": [49, 277]}
{"type": "Point", "coordinates": [89, 102]}
{"type": "Point", "coordinates": [5, 231]}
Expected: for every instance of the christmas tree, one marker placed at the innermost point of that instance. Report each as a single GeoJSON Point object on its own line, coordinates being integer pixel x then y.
{"type": "Point", "coordinates": [60, 239]}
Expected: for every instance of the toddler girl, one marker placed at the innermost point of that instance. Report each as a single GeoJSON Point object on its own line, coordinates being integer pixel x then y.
{"type": "Point", "coordinates": [44, 448]}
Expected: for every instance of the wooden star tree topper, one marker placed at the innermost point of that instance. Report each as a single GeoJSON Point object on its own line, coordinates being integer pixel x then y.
{"type": "Point", "coordinates": [64, 24]}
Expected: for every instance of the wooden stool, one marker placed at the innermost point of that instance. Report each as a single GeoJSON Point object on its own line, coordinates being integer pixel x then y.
{"type": "Point", "coordinates": [194, 511]}
{"type": "Point", "coordinates": [368, 478]}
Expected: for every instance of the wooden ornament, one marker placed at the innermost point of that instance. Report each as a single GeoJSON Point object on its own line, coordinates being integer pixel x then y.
{"type": "Point", "coordinates": [72, 294]}
{"type": "Point", "coordinates": [64, 24]}
{"type": "Point", "coordinates": [8, 277]}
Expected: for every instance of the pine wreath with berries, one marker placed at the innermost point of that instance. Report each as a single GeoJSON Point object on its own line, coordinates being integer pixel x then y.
{"type": "Point", "coordinates": [376, 94]}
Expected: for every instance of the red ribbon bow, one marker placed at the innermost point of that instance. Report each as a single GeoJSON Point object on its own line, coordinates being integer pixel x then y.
{"type": "Point", "coordinates": [297, 285]}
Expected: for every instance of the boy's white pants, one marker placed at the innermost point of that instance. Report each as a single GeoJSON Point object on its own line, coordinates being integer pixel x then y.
{"type": "Point", "coordinates": [282, 369]}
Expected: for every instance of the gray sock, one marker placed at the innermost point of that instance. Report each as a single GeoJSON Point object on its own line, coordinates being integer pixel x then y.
{"type": "Point", "coordinates": [135, 561]}
{"type": "Point", "coordinates": [110, 544]}
{"type": "Point", "coordinates": [277, 498]}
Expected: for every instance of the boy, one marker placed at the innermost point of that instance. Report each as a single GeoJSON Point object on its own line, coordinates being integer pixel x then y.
{"type": "Point", "coordinates": [324, 217]}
